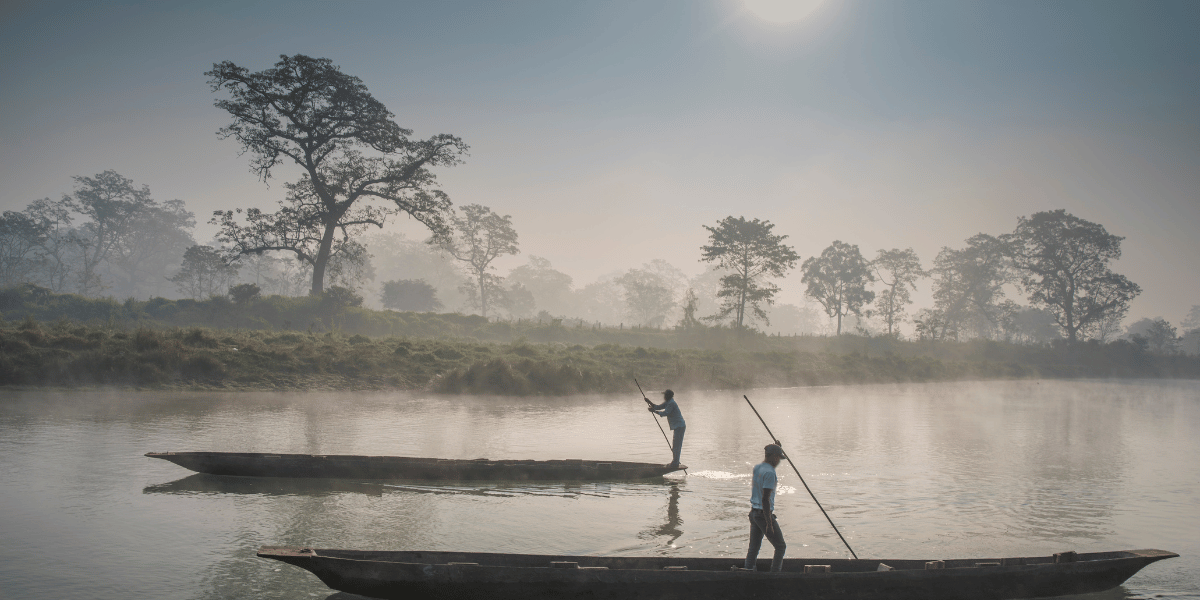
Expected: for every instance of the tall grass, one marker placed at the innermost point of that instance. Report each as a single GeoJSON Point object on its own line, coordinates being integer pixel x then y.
{"type": "Point", "coordinates": [67, 354]}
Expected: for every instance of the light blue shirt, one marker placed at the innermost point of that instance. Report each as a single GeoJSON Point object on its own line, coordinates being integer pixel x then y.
{"type": "Point", "coordinates": [764, 477]}
{"type": "Point", "coordinates": [670, 410]}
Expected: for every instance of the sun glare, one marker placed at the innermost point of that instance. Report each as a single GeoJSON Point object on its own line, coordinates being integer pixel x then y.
{"type": "Point", "coordinates": [782, 11]}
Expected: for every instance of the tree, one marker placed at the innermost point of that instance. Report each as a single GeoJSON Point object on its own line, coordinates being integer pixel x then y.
{"type": "Point", "coordinates": [478, 237]}
{"type": "Point", "coordinates": [204, 273]}
{"type": "Point", "coordinates": [154, 236]}
{"type": "Point", "coordinates": [1064, 261]}
{"type": "Point", "coordinates": [409, 294]}
{"type": "Point", "coordinates": [838, 279]}
{"type": "Point", "coordinates": [602, 300]}
{"type": "Point", "coordinates": [751, 253]}
{"type": "Point", "coordinates": [690, 304]}
{"type": "Point", "coordinates": [351, 266]}
{"type": "Point", "coordinates": [359, 167]}
{"type": "Point", "coordinates": [551, 289]}
{"type": "Point", "coordinates": [1034, 326]}
{"type": "Point", "coordinates": [898, 270]}
{"type": "Point", "coordinates": [1192, 320]}
{"type": "Point", "coordinates": [116, 212]}
{"type": "Point", "coordinates": [1156, 334]}
{"type": "Point", "coordinates": [518, 301]}
{"type": "Point", "coordinates": [244, 293]}
{"type": "Point", "coordinates": [968, 287]}
{"type": "Point", "coordinates": [60, 250]}
{"type": "Point", "coordinates": [21, 236]}
{"type": "Point", "coordinates": [647, 297]}
{"type": "Point", "coordinates": [397, 257]}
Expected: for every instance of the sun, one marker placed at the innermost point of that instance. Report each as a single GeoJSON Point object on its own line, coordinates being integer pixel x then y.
{"type": "Point", "coordinates": [782, 11]}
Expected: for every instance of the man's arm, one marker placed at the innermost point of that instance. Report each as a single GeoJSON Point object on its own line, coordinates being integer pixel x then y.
{"type": "Point", "coordinates": [768, 509]}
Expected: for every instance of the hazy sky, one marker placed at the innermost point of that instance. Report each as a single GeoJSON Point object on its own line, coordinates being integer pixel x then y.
{"type": "Point", "coordinates": [612, 131]}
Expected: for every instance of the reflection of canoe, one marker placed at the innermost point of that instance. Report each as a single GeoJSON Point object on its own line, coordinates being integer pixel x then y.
{"type": "Point", "coordinates": [401, 467]}
{"type": "Point", "coordinates": [468, 575]}
{"type": "Point", "coordinates": [202, 483]}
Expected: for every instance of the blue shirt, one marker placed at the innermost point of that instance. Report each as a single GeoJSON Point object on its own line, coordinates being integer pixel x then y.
{"type": "Point", "coordinates": [764, 477]}
{"type": "Point", "coordinates": [670, 410]}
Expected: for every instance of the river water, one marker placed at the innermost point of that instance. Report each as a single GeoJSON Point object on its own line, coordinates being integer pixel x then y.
{"type": "Point", "coordinates": [913, 471]}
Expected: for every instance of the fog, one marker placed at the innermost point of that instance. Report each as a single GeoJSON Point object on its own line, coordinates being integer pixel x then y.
{"type": "Point", "coordinates": [613, 133]}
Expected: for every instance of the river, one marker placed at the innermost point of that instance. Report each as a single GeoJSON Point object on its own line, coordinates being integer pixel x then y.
{"type": "Point", "coordinates": [910, 471]}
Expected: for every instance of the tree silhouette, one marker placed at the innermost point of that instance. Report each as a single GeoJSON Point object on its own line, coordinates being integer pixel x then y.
{"type": "Point", "coordinates": [409, 294]}
{"type": "Point", "coordinates": [838, 279]}
{"type": "Point", "coordinates": [359, 166]}
{"type": "Point", "coordinates": [21, 237]}
{"type": "Point", "coordinates": [478, 237]}
{"type": "Point", "coordinates": [968, 288]}
{"type": "Point", "coordinates": [751, 253]}
{"type": "Point", "coordinates": [898, 270]}
{"type": "Point", "coordinates": [1064, 263]}
{"type": "Point", "coordinates": [204, 273]}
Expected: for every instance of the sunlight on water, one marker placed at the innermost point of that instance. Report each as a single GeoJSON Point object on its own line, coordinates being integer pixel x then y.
{"type": "Point", "coordinates": [919, 471]}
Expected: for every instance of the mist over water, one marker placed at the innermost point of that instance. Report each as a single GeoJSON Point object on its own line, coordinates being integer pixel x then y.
{"type": "Point", "coordinates": [913, 471]}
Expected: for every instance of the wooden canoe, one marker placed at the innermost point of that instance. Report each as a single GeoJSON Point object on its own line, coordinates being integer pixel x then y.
{"type": "Point", "coordinates": [469, 576]}
{"type": "Point", "coordinates": [342, 466]}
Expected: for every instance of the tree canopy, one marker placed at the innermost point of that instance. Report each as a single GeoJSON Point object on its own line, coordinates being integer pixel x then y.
{"type": "Point", "coordinates": [204, 273]}
{"type": "Point", "coordinates": [414, 295]}
{"type": "Point", "coordinates": [480, 236]}
{"type": "Point", "coordinates": [898, 270]}
{"type": "Point", "coordinates": [1065, 267]}
{"type": "Point", "coordinates": [359, 167]}
{"type": "Point", "coordinates": [838, 279]}
{"type": "Point", "coordinates": [968, 287]}
{"type": "Point", "coordinates": [751, 254]}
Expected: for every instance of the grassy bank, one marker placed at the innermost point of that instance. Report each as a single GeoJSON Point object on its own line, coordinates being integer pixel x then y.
{"type": "Point", "coordinates": [65, 353]}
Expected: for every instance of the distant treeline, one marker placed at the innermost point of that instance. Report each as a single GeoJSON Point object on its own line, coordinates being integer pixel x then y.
{"type": "Point", "coordinates": [70, 340]}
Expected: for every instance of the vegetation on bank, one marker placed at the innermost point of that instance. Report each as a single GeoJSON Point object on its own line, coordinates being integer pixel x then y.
{"type": "Point", "coordinates": [69, 354]}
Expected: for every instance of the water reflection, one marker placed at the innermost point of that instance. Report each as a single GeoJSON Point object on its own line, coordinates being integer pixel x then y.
{"type": "Point", "coordinates": [915, 471]}
{"type": "Point", "coordinates": [203, 483]}
{"type": "Point", "coordinates": [670, 529]}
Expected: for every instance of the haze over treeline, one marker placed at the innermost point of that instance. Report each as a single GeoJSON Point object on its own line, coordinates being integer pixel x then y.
{"type": "Point", "coordinates": [111, 238]}
{"type": "Point", "coordinates": [894, 210]}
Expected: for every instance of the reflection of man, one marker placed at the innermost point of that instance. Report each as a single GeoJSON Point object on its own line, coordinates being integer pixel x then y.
{"type": "Point", "coordinates": [762, 517]}
{"type": "Point", "coordinates": [671, 527]}
{"type": "Point", "coordinates": [670, 410]}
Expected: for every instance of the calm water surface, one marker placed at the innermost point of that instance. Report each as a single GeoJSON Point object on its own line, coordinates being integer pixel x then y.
{"type": "Point", "coordinates": [915, 471]}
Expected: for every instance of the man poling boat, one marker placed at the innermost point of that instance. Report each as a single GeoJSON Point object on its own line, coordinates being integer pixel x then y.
{"type": "Point", "coordinates": [670, 409]}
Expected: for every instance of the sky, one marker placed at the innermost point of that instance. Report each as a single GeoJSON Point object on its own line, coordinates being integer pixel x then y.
{"type": "Point", "coordinates": [612, 132]}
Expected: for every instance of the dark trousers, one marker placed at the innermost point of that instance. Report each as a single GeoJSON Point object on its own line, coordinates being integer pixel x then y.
{"type": "Point", "coordinates": [677, 446]}
{"type": "Point", "coordinates": [758, 528]}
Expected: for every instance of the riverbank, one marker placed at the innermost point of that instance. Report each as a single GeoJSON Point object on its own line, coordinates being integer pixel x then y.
{"type": "Point", "coordinates": [66, 354]}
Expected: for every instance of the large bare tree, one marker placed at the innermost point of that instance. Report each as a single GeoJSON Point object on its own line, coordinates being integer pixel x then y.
{"type": "Point", "coordinates": [359, 167]}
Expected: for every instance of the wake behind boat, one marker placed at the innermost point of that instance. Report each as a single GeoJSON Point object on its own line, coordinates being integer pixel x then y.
{"type": "Point", "coordinates": [470, 575]}
{"type": "Point", "coordinates": [343, 466]}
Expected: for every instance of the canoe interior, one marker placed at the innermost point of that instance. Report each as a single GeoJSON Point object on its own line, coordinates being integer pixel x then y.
{"type": "Point", "coordinates": [297, 555]}
{"type": "Point", "coordinates": [346, 466]}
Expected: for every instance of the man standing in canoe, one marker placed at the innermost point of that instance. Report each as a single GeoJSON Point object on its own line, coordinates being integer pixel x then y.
{"type": "Point", "coordinates": [670, 410]}
{"type": "Point", "coordinates": [762, 516]}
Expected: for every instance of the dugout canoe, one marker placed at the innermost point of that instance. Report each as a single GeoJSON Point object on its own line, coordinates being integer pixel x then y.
{"type": "Point", "coordinates": [470, 575]}
{"type": "Point", "coordinates": [344, 466]}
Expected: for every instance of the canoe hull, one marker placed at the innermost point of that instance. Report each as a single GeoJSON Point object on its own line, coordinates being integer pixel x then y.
{"type": "Point", "coordinates": [421, 575]}
{"type": "Point", "coordinates": [333, 466]}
